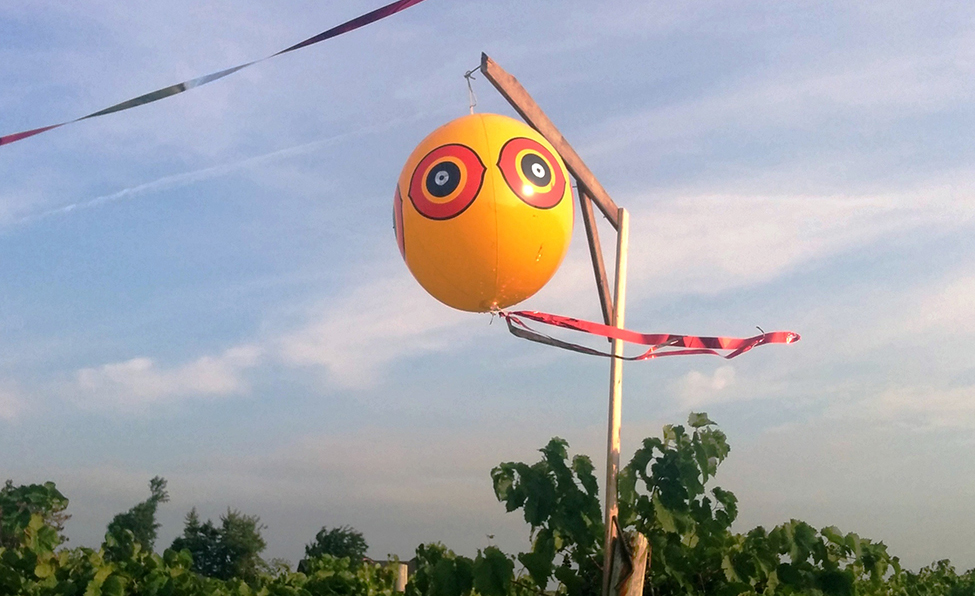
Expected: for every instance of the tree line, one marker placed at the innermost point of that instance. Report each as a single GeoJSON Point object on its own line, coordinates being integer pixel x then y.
{"type": "Point", "coordinates": [666, 493]}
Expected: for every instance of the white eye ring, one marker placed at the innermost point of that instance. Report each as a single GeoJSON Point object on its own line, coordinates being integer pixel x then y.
{"type": "Point", "coordinates": [441, 178]}
{"type": "Point", "coordinates": [538, 170]}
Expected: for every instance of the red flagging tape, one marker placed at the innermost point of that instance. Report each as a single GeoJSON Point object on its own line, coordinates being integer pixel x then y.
{"type": "Point", "coordinates": [661, 344]}
{"type": "Point", "coordinates": [351, 25]}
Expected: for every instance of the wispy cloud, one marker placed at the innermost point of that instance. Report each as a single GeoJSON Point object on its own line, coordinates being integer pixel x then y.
{"type": "Point", "coordinates": [948, 308]}
{"type": "Point", "coordinates": [11, 403]}
{"type": "Point", "coordinates": [711, 243]}
{"type": "Point", "coordinates": [353, 341]}
{"type": "Point", "coordinates": [692, 245]}
{"type": "Point", "coordinates": [193, 177]}
{"type": "Point", "coordinates": [357, 337]}
{"type": "Point", "coordinates": [904, 322]}
{"type": "Point", "coordinates": [925, 408]}
{"type": "Point", "coordinates": [696, 389]}
{"type": "Point", "coordinates": [861, 91]}
{"type": "Point", "coordinates": [135, 384]}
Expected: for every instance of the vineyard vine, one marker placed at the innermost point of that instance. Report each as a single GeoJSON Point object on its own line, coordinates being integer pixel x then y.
{"type": "Point", "coordinates": [666, 493]}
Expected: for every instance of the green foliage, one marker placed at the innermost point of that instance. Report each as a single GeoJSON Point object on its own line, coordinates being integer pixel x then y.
{"type": "Point", "coordinates": [328, 575]}
{"type": "Point", "coordinates": [664, 495]}
{"type": "Point", "coordinates": [141, 518]}
{"type": "Point", "coordinates": [241, 541]}
{"type": "Point", "coordinates": [230, 551]}
{"type": "Point", "coordinates": [19, 505]}
{"type": "Point", "coordinates": [202, 543]}
{"type": "Point", "coordinates": [560, 502]}
{"type": "Point", "coordinates": [342, 542]}
{"type": "Point", "coordinates": [937, 579]}
{"type": "Point", "coordinates": [441, 572]}
{"type": "Point", "coordinates": [666, 492]}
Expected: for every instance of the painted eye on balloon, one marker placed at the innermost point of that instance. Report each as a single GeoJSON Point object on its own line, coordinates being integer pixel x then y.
{"type": "Point", "coordinates": [532, 172]}
{"type": "Point", "coordinates": [446, 181]}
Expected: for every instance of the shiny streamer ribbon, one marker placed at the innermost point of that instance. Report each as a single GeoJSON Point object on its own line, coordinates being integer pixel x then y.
{"type": "Point", "coordinates": [661, 344]}
{"type": "Point", "coordinates": [351, 25]}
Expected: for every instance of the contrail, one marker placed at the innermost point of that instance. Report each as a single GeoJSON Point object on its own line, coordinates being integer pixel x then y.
{"type": "Point", "coordinates": [187, 178]}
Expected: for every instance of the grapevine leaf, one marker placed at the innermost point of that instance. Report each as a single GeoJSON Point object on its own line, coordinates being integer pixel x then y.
{"type": "Point", "coordinates": [44, 569]}
{"type": "Point", "coordinates": [663, 515]}
{"type": "Point", "coordinates": [699, 419]}
{"type": "Point", "coordinates": [493, 572]}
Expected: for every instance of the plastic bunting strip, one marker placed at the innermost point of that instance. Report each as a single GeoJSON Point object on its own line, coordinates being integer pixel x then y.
{"type": "Point", "coordinates": [661, 344]}
{"type": "Point", "coordinates": [351, 25]}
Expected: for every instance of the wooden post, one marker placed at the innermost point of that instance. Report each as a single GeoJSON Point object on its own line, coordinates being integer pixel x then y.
{"type": "Point", "coordinates": [590, 191]}
{"type": "Point", "coordinates": [615, 397]}
{"type": "Point", "coordinates": [640, 549]}
{"type": "Point", "coordinates": [402, 576]}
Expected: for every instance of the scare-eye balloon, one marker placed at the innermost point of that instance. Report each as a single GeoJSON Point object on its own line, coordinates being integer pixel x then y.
{"type": "Point", "coordinates": [483, 212]}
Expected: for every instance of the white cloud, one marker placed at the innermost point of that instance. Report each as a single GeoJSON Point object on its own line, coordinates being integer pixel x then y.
{"type": "Point", "coordinates": [383, 320]}
{"type": "Point", "coordinates": [194, 177]}
{"type": "Point", "coordinates": [711, 243]}
{"type": "Point", "coordinates": [932, 313]}
{"type": "Point", "coordinates": [949, 308]}
{"type": "Point", "coordinates": [860, 89]}
{"type": "Point", "coordinates": [697, 389]}
{"type": "Point", "coordinates": [354, 340]}
{"type": "Point", "coordinates": [925, 408]}
{"type": "Point", "coordinates": [11, 403]}
{"type": "Point", "coordinates": [873, 324]}
{"type": "Point", "coordinates": [140, 382]}
{"type": "Point", "coordinates": [689, 245]}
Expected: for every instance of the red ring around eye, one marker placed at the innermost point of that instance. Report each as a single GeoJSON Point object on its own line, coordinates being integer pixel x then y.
{"type": "Point", "coordinates": [398, 222]}
{"type": "Point", "coordinates": [509, 162]}
{"type": "Point", "coordinates": [454, 160]}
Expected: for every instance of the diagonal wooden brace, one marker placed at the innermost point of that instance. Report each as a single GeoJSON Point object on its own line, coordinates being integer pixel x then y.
{"type": "Point", "coordinates": [596, 252]}
{"type": "Point", "coordinates": [522, 102]}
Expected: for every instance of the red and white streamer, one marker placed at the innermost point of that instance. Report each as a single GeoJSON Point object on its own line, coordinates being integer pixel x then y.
{"type": "Point", "coordinates": [350, 25]}
{"type": "Point", "coordinates": [660, 344]}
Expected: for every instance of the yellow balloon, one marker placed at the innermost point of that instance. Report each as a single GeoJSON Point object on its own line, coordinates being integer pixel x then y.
{"type": "Point", "coordinates": [483, 212]}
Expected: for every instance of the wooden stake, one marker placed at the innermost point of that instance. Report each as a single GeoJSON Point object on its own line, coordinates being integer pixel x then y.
{"type": "Point", "coordinates": [615, 397]}
{"type": "Point", "coordinates": [511, 89]}
{"type": "Point", "coordinates": [403, 576]}
{"type": "Point", "coordinates": [640, 549]}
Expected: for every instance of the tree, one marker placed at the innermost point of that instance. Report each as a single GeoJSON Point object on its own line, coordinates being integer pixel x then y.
{"type": "Point", "coordinates": [141, 519]}
{"type": "Point", "coordinates": [18, 504]}
{"type": "Point", "coordinates": [202, 541]}
{"type": "Point", "coordinates": [242, 541]}
{"type": "Point", "coordinates": [342, 542]}
{"type": "Point", "coordinates": [229, 551]}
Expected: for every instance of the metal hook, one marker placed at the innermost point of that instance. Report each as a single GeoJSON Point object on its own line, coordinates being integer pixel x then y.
{"type": "Point", "coordinates": [469, 75]}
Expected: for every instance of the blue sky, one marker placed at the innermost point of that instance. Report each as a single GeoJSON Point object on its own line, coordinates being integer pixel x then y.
{"type": "Point", "coordinates": [208, 288]}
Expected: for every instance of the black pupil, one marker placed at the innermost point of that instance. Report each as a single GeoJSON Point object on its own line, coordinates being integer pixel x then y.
{"type": "Point", "coordinates": [443, 179]}
{"type": "Point", "coordinates": [535, 169]}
